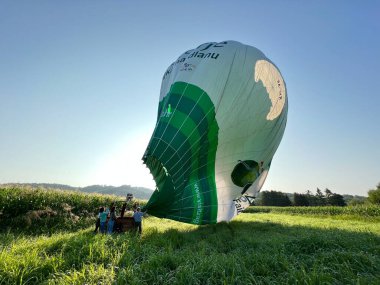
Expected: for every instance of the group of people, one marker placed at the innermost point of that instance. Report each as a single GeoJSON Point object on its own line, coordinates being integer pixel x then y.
{"type": "Point", "coordinates": [106, 220]}
{"type": "Point", "coordinates": [101, 221]}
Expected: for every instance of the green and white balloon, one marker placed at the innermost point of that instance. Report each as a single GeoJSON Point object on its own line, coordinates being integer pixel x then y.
{"type": "Point", "coordinates": [221, 116]}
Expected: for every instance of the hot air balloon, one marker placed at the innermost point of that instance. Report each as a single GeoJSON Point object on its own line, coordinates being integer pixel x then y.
{"type": "Point", "coordinates": [221, 116]}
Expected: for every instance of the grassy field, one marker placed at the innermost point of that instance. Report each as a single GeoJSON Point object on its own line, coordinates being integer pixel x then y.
{"type": "Point", "coordinates": [365, 212]}
{"type": "Point", "coordinates": [259, 247]}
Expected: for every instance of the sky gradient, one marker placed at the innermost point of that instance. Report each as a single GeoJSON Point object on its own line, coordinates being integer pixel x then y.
{"type": "Point", "coordinates": [80, 82]}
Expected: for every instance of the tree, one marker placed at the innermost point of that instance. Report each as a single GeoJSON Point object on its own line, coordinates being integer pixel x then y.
{"type": "Point", "coordinates": [374, 195]}
{"type": "Point", "coordinates": [311, 199]}
{"type": "Point", "coordinates": [336, 200]}
{"type": "Point", "coordinates": [320, 197]}
{"type": "Point", "coordinates": [275, 198]}
{"type": "Point", "coordinates": [333, 199]}
{"type": "Point", "coordinates": [301, 199]}
{"type": "Point", "coordinates": [328, 193]}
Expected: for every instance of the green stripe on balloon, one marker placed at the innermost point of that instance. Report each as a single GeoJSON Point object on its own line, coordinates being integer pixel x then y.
{"type": "Point", "coordinates": [185, 141]}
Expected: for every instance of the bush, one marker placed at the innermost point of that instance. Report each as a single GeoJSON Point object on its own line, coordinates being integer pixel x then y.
{"type": "Point", "coordinates": [374, 195]}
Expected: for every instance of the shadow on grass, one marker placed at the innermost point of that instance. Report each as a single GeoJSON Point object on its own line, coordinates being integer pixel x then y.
{"type": "Point", "coordinates": [224, 237]}
{"type": "Point", "coordinates": [242, 252]}
{"type": "Point", "coordinates": [45, 226]}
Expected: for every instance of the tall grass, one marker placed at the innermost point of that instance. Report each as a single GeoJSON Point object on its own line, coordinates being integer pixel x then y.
{"type": "Point", "coordinates": [252, 249]}
{"type": "Point", "coordinates": [20, 200]}
{"type": "Point", "coordinates": [41, 210]}
{"type": "Point", "coordinates": [264, 248]}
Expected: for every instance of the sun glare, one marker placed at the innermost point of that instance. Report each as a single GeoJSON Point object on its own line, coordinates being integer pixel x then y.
{"type": "Point", "coordinates": [123, 165]}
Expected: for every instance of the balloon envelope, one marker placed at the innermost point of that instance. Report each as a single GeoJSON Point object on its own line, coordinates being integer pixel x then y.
{"type": "Point", "coordinates": [221, 116]}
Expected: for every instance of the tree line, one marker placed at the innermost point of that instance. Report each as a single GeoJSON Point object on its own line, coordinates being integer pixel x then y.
{"type": "Point", "coordinates": [320, 198]}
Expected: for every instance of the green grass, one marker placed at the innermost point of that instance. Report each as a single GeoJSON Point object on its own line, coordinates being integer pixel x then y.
{"type": "Point", "coordinates": [264, 247]}
{"type": "Point", "coordinates": [361, 212]}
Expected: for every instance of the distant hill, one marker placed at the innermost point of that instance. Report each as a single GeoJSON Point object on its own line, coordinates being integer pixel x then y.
{"type": "Point", "coordinates": [138, 192]}
{"type": "Point", "coordinates": [358, 199]}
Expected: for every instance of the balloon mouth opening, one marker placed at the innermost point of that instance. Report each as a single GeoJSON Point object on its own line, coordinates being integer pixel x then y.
{"type": "Point", "coordinates": [245, 173]}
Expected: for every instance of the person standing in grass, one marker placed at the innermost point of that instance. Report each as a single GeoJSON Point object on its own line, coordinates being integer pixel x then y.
{"type": "Point", "coordinates": [112, 220]}
{"type": "Point", "coordinates": [103, 219]}
{"type": "Point", "coordinates": [137, 216]}
{"type": "Point", "coordinates": [97, 224]}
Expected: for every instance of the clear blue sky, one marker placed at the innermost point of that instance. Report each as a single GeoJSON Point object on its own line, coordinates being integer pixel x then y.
{"type": "Point", "coordinates": [80, 82]}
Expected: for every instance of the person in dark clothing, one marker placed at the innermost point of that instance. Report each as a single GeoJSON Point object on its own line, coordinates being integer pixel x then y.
{"type": "Point", "coordinates": [97, 223]}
